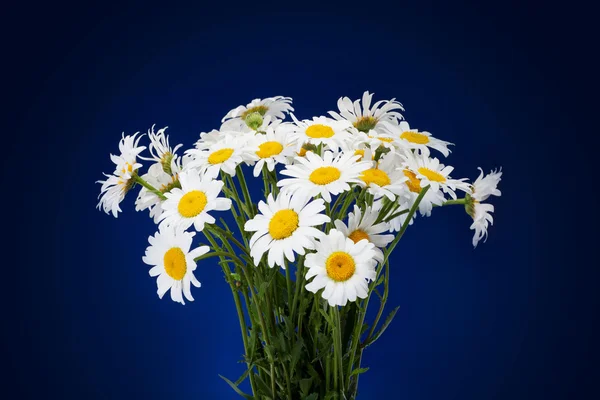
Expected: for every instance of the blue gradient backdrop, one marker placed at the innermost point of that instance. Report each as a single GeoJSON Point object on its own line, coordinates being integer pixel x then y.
{"type": "Point", "coordinates": [514, 319]}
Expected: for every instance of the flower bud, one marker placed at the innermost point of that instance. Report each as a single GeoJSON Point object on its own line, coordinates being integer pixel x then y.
{"type": "Point", "coordinates": [254, 120]}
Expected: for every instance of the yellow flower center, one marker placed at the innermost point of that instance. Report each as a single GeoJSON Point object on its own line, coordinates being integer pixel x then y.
{"type": "Point", "coordinates": [269, 149]}
{"type": "Point", "coordinates": [324, 175]}
{"type": "Point", "coordinates": [413, 183]}
{"type": "Point", "coordinates": [382, 139]}
{"type": "Point", "coordinates": [365, 124]}
{"type": "Point", "coordinates": [319, 131]}
{"type": "Point", "coordinates": [262, 110]}
{"type": "Point", "coordinates": [415, 137]}
{"type": "Point", "coordinates": [192, 204]}
{"type": "Point", "coordinates": [220, 156]}
{"type": "Point", "coordinates": [283, 224]}
{"type": "Point", "coordinates": [360, 153]}
{"type": "Point", "coordinates": [358, 235]}
{"type": "Point", "coordinates": [376, 176]}
{"type": "Point", "coordinates": [432, 175]}
{"type": "Point", "coordinates": [340, 266]}
{"type": "Point", "coordinates": [302, 152]}
{"type": "Point", "coordinates": [175, 265]}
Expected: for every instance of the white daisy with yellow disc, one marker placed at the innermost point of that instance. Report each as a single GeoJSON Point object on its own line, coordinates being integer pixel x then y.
{"type": "Point", "coordinates": [275, 146]}
{"type": "Point", "coordinates": [321, 131]}
{"type": "Point", "coordinates": [285, 226]}
{"type": "Point", "coordinates": [191, 204]}
{"type": "Point", "coordinates": [223, 155]}
{"type": "Point", "coordinates": [362, 226]}
{"type": "Point", "coordinates": [412, 139]}
{"type": "Point", "coordinates": [430, 172]}
{"type": "Point", "coordinates": [173, 263]}
{"type": "Point", "coordinates": [366, 118]}
{"type": "Point", "coordinates": [341, 267]}
{"type": "Point", "coordinates": [313, 175]}
{"type": "Point", "coordinates": [384, 178]}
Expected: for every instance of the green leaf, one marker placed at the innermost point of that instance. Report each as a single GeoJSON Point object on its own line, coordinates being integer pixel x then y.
{"type": "Point", "coordinates": [236, 276]}
{"type": "Point", "coordinates": [312, 396]}
{"type": "Point", "coordinates": [305, 385]}
{"type": "Point", "coordinates": [243, 377]}
{"type": "Point", "coordinates": [386, 323]}
{"type": "Point", "coordinates": [359, 371]}
{"type": "Point", "coordinates": [237, 390]}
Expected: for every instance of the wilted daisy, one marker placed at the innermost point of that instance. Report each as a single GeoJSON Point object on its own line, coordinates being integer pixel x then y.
{"type": "Point", "coordinates": [362, 226]}
{"type": "Point", "coordinates": [321, 130]}
{"type": "Point", "coordinates": [313, 175]}
{"type": "Point", "coordinates": [257, 112]}
{"type": "Point", "coordinates": [342, 267]}
{"type": "Point", "coordinates": [276, 146]}
{"type": "Point", "coordinates": [384, 178]}
{"type": "Point", "coordinates": [410, 139]}
{"type": "Point", "coordinates": [116, 186]}
{"type": "Point", "coordinates": [285, 226]}
{"type": "Point", "coordinates": [191, 204]}
{"type": "Point", "coordinates": [160, 149]}
{"type": "Point", "coordinates": [482, 188]}
{"type": "Point", "coordinates": [430, 172]}
{"type": "Point", "coordinates": [366, 118]}
{"type": "Point", "coordinates": [223, 155]}
{"type": "Point", "coordinates": [173, 262]}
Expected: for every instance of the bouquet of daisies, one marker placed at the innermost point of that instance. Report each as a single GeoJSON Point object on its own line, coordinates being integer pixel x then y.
{"type": "Point", "coordinates": [302, 263]}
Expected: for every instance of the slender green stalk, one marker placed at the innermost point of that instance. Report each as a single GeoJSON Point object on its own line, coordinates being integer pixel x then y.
{"type": "Point", "coordinates": [148, 186]}
{"type": "Point", "coordinates": [245, 191]}
{"type": "Point", "coordinates": [455, 202]}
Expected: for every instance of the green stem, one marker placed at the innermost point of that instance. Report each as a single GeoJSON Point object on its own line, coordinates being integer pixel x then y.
{"type": "Point", "coordinates": [245, 191]}
{"type": "Point", "coordinates": [148, 186]}
{"type": "Point", "coordinates": [455, 202]}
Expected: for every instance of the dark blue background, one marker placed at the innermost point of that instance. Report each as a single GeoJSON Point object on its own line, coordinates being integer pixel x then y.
{"type": "Point", "coordinates": [514, 319]}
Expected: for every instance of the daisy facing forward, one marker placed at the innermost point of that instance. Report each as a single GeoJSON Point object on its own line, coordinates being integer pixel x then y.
{"type": "Point", "coordinates": [482, 188]}
{"type": "Point", "coordinates": [321, 131]}
{"type": "Point", "coordinates": [367, 118]}
{"type": "Point", "coordinates": [276, 146]}
{"type": "Point", "coordinates": [342, 267]}
{"type": "Point", "coordinates": [285, 226]}
{"type": "Point", "coordinates": [190, 205]}
{"type": "Point", "coordinates": [223, 155]}
{"type": "Point", "coordinates": [172, 261]}
{"type": "Point", "coordinates": [325, 176]}
{"type": "Point", "coordinates": [384, 178]}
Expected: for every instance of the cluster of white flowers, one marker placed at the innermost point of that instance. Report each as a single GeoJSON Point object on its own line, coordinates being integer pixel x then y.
{"type": "Point", "coordinates": [362, 146]}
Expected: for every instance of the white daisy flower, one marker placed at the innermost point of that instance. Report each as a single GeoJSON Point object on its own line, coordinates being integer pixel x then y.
{"type": "Point", "coordinates": [362, 226]}
{"type": "Point", "coordinates": [173, 262]}
{"type": "Point", "coordinates": [224, 155]}
{"type": "Point", "coordinates": [191, 204]}
{"type": "Point", "coordinates": [321, 130]}
{"type": "Point", "coordinates": [412, 139]}
{"type": "Point", "coordinates": [384, 178]}
{"type": "Point", "coordinates": [431, 172]}
{"type": "Point", "coordinates": [113, 192]}
{"type": "Point", "coordinates": [160, 149]}
{"type": "Point", "coordinates": [276, 107]}
{"type": "Point", "coordinates": [285, 226]}
{"type": "Point", "coordinates": [115, 188]}
{"type": "Point", "coordinates": [274, 147]}
{"type": "Point", "coordinates": [367, 118]}
{"type": "Point", "coordinates": [126, 162]}
{"type": "Point", "coordinates": [342, 267]}
{"type": "Point", "coordinates": [313, 175]}
{"type": "Point", "coordinates": [481, 213]}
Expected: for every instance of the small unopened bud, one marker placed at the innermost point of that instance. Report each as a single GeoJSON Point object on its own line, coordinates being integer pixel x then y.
{"type": "Point", "coordinates": [254, 120]}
